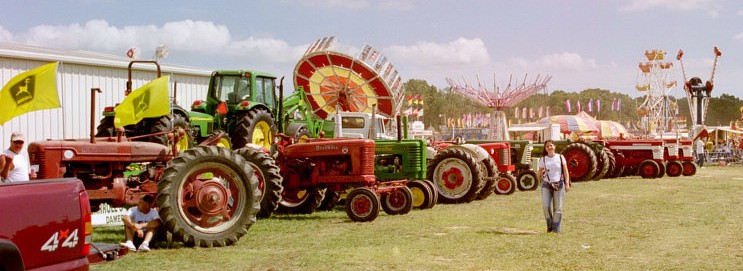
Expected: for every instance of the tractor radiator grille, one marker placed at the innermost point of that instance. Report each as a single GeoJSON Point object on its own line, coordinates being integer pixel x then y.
{"type": "Point", "coordinates": [416, 156]}
{"type": "Point", "coordinates": [504, 155]}
{"type": "Point", "coordinates": [38, 158]}
{"type": "Point", "coordinates": [367, 160]}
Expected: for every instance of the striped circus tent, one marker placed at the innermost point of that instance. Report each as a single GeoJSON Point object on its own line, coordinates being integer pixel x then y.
{"type": "Point", "coordinates": [612, 130]}
{"type": "Point", "coordinates": [570, 123]}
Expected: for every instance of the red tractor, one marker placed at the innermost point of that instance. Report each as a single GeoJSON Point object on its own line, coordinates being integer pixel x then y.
{"type": "Point", "coordinates": [207, 196]}
{"type": "Point", "coordinates": [309, 169]}
{"type": "Point", "coordinates": [643, 157]}
{"type": "Point", "coordinates": [466, 172]}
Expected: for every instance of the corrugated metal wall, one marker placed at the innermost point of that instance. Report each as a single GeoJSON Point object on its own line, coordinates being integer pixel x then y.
{"type": "Point", "coordinates": [74, 82]}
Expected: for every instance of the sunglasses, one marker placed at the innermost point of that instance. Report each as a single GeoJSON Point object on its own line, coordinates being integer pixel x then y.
{"type": "Point", "coordinates": [18, 142]}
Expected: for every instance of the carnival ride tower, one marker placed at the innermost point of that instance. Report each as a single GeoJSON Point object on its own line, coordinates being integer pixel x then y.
{"type": "Point", "coordinates": [655, 80]}
{"type": "Point", "coordinates": [698, 94]}
{"type": "Point", "coordinates": [499, 99]}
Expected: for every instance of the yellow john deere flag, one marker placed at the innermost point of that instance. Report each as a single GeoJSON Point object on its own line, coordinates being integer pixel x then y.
{"type": "Point", "coordinates": [29, 91]}
{"type": "Point", "coordinates": [150, 100]}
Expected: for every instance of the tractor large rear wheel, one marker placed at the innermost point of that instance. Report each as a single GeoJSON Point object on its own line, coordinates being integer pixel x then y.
{"type": "Point", "coordinates": [106, 127]}
{"type": "Point", "coordinates": [295, 201]}
{"type": "Point", "coordinates": [612, 165]}
{"type": "Point", "coordinates": [456, 175]}
{"type": "Point", "coordinates": [581, 161]}
{"type": "Point", "coordinates": [603, 165]}
{"type": "Point", "coordinates": [180, 124]}
{"type": "Point", "coordinates": [157, 125]}
{"type": "Point", "coordinates": [491, 172]}
{"type": "Point", "coordinates": [269, 179]}
{"type": "Point", "coordinates": [256, 127]}
{"type": "Point", "coordinates": [208, 196]}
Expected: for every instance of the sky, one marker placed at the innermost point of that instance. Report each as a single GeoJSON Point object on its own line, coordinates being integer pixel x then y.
{"type": "Point", "coordinates": [580, 44]}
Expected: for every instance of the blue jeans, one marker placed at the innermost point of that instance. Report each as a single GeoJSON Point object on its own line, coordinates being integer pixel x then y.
{"type": "Point", "coordinates": [552, 205]}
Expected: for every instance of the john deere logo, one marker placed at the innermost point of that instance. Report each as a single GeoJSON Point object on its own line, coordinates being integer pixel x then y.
{"type": "Point", "coordinates": [141, 103]}
{"type": "Point", "coordinates": [23, 91]}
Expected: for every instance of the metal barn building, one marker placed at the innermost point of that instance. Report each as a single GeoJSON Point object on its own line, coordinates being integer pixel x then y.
{"type": "Point", "coordinates": [77, 73]}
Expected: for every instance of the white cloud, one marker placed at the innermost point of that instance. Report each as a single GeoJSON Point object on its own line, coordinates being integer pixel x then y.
{"type": "Point", "coordinates": [639, 5]}
{"type": "Point", "coordinates": [738, 37]}
{"type": "Point", "coordinates": [343, 4]}
{"type": "Point", "coordinates": [198, 37]}
{"type": "Point", "coordinates": [739, 12]}
{"type": "Point", "coordinates": [460, 52]}
{"type": "Point", "coordinates": [558, 62]}
{"type": "Point", "coordinates": [359, 4]}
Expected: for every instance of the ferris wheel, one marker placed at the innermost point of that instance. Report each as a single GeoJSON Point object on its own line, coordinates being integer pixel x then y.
{"type": "Point", "coordinates": [655, 80]}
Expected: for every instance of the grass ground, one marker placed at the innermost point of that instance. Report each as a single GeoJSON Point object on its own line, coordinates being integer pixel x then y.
{"type": "Point", "coordinates": [685, 223]}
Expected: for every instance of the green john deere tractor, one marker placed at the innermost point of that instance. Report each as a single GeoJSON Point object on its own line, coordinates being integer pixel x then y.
{"type": "Point", "coordinates": [238, 110]}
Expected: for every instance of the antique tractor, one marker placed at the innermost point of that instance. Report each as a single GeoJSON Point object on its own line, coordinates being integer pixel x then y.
{"type": "Point", "coordinates": [519, 164]}
{"type": "Point", "coordinates": [643, 157]}
{"type": "Point", "coordinates": [587, 160]}
{"type": "Point", "coordinates": [309, 169]}
{"type": "Point", "coordinates": [461, 172]}
{"type": "Point", "coordinates": [207, 196]}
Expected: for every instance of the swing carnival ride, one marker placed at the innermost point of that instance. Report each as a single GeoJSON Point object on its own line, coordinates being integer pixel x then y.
{"type": "Point", "coordinates": [655, 80]}
{"type": "Point", "coordinates": [499, 99]}
{"type": "Point", "coordinates": [698, 94]}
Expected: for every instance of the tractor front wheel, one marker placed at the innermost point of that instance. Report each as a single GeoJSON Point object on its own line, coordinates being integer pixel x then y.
{"type": "Point", "coordinates": [208, 197]}
{"type": "Point", "coordinates": [506, 184]}
{"type": "Point", "coordinates": [422, 194]}
{"type": "Point", "coordinates": [690, 168]}
{"type": "Point", "coordinates": [527, 180]}
{"type": "Point", "coordinates": [256, 127]}
{"type": "Point", "coordinates": [649, 169]}
{"type": "Point", "coordinates": [674, 169]}
{"type": "Point", "coordinates": [362, 205]}
{"type": "Point", "coordinates": [398, 202]}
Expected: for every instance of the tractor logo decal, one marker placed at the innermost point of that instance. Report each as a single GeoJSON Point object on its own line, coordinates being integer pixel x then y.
{"type": "Point", "coordinates": [326, 147]}
{"type": "Point", "coordinates": [141, 103]}
{"type": "Point", "coordinates": [23, 91]}
{"type": "Point", "coordinates": [344, 150]}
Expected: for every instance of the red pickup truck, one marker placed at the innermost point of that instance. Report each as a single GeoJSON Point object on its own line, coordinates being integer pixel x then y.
{"type": "Point", "coordinates": [44, 225]}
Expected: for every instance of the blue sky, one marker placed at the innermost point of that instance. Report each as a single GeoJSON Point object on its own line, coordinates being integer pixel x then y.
{"type": "Point", "coordinates": [581, 44]}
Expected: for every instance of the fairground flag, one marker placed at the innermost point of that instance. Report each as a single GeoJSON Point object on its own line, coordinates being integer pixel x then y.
{"type": "Point", "coordinates": [590, 105]}
{"type": "Point", "coordinates": [567, 105]}
{"type": "Point", "coordinates": [29, 91]}
{"type": "Point", "coordinates": [148, 101]}
{"type": "Point", "coordinates": [598, 105]}
{"type": "Point", "coordinates": [577, 106]}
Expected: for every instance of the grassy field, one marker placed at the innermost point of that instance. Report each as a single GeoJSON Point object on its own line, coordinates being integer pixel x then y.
{"type": "Point", "coordinates": [685, 223]}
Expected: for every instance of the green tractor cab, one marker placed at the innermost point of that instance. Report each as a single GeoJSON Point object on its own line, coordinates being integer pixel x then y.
{"type": "Point", "coordinates": [239, 109]}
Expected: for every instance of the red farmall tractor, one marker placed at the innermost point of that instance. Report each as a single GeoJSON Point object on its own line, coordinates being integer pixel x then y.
{"type": "Point", "coordinates": [207, 196]}
{"type": "Point", "coordinates": [311, 168]}
{"type": "Point", "coordinates": [463, 173]}
{"type": "Point", "coordinates": [643, 157]}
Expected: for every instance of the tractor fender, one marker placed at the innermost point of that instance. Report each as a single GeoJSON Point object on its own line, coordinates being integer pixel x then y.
{"type": "Point", "coordinates": [476, 151]}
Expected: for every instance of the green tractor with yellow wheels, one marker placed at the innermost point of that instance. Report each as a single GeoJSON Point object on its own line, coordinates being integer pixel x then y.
{"type": "Point", "coordinates": [238, 110]}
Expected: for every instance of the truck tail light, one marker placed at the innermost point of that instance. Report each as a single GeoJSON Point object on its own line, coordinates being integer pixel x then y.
{"type": "Point", "coordinates": [87, 222]}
